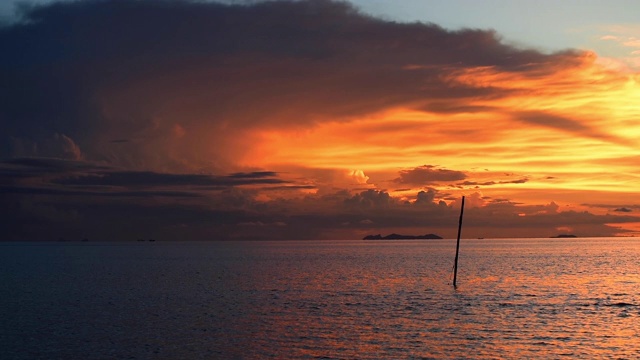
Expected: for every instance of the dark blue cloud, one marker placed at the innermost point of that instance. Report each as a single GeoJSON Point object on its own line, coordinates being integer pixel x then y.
{"type": "Point", "coordinates": [150, 179]}
{"type": "Point", "coordinates": [25, 190]}
{"type": "Point", "coordinates": [77, 174]}
{"type": "Point", "coordinates": [104, 73]}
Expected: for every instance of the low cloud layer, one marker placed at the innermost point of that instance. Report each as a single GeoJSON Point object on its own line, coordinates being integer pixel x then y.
{"type": "Point", "coordinates": [46, 199]}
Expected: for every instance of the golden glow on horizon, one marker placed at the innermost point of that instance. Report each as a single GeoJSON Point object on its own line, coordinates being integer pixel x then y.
{"type": "Point", "coordinates": [563, 131]}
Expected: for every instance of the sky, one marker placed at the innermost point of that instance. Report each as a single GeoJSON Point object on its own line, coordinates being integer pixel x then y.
{"type": "Point", "coordinates": [181, 120]}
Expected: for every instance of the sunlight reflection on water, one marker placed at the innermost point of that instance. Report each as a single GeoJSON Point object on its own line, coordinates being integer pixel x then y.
{"type": "Point", "coordinates": [542, 298]}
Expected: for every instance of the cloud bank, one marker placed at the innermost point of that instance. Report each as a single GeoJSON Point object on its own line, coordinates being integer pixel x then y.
{"type": "Point", "coordinates": [120, 118]}
{"type": "Point", "coordinates": [169, 85]}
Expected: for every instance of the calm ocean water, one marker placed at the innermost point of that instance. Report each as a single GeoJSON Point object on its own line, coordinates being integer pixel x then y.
{"type": "Point", "coordinates": [531, 298]}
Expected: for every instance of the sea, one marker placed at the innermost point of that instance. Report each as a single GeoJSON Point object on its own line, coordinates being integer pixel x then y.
{"type": "Point", "coordinates": [575, 298]}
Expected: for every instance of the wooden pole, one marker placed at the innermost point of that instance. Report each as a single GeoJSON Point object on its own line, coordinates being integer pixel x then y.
{"type": "Point", "coordinates": [455, 265]}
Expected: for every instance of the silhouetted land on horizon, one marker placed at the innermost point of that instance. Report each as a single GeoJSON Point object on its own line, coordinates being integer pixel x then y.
{"type": "Point", "coordinates": [395, 236]}
{"type": "Point", "coordinates": [563, 236]}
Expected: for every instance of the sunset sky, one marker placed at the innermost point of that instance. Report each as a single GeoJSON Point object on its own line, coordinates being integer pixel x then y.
{"type": "Point", "coordinates": [184, 120]}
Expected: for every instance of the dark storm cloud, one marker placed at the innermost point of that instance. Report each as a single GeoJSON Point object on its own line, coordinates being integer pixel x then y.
{"type": "Point", "coordinates": [24, 190]}
{"type": "Point", "coordinates": [58, 181]}
{"type": "Point", "coordinates": [427, 174]}
{"type": "Point", "coordinates": [12, 170]}
{"type": "Point", "coordinates": [103, 72]}
{"type": "Point", "coordinates": [76, 173]}
{"type": "Point", "coordinates": [148, 178]}
{"type": "Point", "coordinates": [47, 165]}
{"type": "Point", "coordinates": [41, 197]}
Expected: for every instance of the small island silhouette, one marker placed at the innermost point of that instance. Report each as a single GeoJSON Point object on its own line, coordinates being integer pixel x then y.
{"type": "Point", "coordinates": [395, 236]}
{"type": "Point", "coordinates": [561, 236]}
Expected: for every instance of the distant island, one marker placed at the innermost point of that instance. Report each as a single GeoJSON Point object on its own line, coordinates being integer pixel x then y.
{"type": "Point", "coordinates": [401, 237]}
{"type": "Point", "coordinates": [564, 236]}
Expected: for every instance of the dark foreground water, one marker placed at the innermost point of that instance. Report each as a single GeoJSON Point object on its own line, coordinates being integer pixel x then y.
{"type": "Point", "coordinates": [536, 298]}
